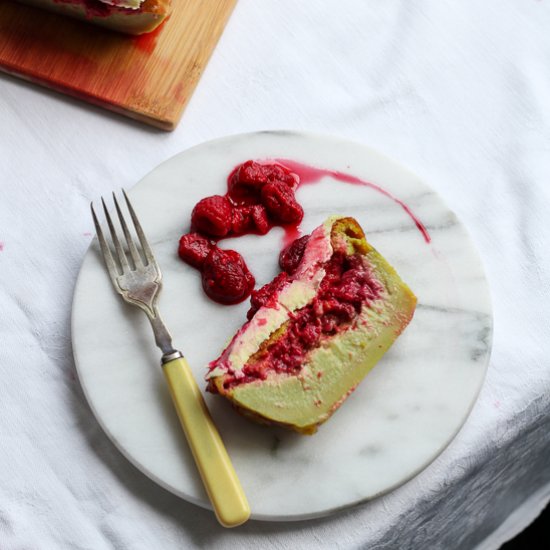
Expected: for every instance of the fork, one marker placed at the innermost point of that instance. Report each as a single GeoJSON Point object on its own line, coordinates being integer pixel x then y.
{"type": "Point", "coordinates": [138, 279]}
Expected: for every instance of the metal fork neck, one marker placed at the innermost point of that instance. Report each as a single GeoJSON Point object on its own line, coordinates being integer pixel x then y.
{"type": "Point", "coordinates": [163, 339]}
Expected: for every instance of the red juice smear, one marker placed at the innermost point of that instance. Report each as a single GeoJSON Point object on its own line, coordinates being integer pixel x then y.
{"type": "Point", "coordinates": [148, 41]}
{"type": "Point", "coordinates": [309, 175]}
{"type": "Point", "coordinates": [292, 232]}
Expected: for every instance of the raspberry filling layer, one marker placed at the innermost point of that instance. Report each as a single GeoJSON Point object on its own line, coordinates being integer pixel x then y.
{"type": "Point", "coordinates": [345, 289]}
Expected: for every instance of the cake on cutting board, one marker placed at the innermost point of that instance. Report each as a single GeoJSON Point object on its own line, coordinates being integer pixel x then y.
{"type": "Point", "coordinates": [127, 16]}
{"type": "Point", "coordinates": [315, 331]}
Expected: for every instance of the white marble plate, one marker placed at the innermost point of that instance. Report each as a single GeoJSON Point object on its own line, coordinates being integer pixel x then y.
{"type": "Point", "coordinates": [398, 420]}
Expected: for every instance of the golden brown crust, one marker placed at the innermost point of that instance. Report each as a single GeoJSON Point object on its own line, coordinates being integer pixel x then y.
{"type": "Point", "coordinates": [156, 6]}
{"type": "Point", "coordinates": [348, 232]}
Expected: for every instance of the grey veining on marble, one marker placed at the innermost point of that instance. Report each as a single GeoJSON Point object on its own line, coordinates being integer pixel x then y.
{"type": "Point", "coordinates": [397, 421]}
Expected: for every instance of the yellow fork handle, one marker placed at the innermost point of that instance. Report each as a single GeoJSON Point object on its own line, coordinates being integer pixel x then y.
{"type": "Point", "coordinates": [217, 473]}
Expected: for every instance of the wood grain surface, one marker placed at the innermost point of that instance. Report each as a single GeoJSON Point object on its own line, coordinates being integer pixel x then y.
{"type": "Point", "coordinates": [149, 78]}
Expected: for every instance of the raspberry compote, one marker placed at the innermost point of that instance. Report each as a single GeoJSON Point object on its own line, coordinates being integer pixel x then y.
{"type": "Point", "coordinates": [259, 196]}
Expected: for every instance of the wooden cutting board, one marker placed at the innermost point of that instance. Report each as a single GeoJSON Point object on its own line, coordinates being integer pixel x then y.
{"type": "Point", "coordinates": [149, 78]}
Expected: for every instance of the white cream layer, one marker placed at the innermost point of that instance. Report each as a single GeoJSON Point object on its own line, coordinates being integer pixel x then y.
{"type": "Point", "coordinates": [132, 4]}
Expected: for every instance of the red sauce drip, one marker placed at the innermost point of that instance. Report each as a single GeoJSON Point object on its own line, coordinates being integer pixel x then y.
{"type": "Point", "coordinates": [346, 287]}
{"type": "Point", "coordinates": [292, 232]}
{"type": "Point", "coordinates": [309, 175]}
{"type": "Point", "coordinates": [259, 197]}
{"type": "Point", "coordinates": [147, 42]}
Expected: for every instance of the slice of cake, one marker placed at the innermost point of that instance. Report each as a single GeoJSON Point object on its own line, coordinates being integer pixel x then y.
{"type": "Point", "coordinates": [315, 331]}
{"type": "Point", "coordinates": [128, 16]}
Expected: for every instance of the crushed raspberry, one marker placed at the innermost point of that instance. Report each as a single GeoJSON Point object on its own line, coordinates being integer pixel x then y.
{"type": "Point", "coordinates": [260, 219]}
{"type": "Point", "coordinates": [245, 219]}
{"type": "Point", "coordinates": [246, 181]}
{"type": "Point", "coordinates": [280, 203]}
{"type": "Point", "coordinates": [266, 294]}
{"type": "Point", "coordinates": [254, 173]}
{"type": "Point", "coordinates": [212, 216]}
{"type": "Point", "coordinates": [259, 196]}
{"type": "Point", "coordinates": [225, 276]}
{"type": "Point", "coordinates": [291, 256]}
{"type": "Point", "coordinates": [241, 220]}
{"type": "Point", "coordinates": [194, 248]}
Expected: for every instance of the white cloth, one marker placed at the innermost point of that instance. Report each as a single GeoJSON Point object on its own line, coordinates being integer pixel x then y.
{"type": "Point", "coordinates": [457, 91]}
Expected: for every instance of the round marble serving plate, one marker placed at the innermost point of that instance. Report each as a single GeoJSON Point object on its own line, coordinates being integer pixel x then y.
{"type": "Point", "coordinates": [399, 418]}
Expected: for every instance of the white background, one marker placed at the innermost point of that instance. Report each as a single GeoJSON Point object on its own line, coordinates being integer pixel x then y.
{"type": "Point", "coordinates": [457, 91]}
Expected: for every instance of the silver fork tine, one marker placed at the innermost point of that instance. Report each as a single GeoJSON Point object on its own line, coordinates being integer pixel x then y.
{"type": "Point", "coordinates": [139, 231]}
{"type": "Point", "coordinates": [118, 247]}
{"type": "Point", "coordinates": [106, 251]}
{"type": "Point", "coordinates": [129, 240]}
